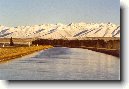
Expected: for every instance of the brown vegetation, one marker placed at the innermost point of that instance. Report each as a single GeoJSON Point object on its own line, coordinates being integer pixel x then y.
{"type": "Point", "coordinates": [9, 53]}
{"type": "Point", "coordinates": [16, 40]}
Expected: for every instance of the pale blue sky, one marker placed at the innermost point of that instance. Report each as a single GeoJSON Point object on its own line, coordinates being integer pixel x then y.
{"type": "Point", "coordinates": [30, 12]}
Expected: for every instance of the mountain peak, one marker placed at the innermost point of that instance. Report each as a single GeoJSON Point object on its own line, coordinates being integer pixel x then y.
{"type": "Point", "coordinates": [60, 31]}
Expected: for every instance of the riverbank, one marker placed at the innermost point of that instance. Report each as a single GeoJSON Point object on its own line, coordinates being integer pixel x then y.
{"type": "Point", "coordinates": [114, 52]}
{"type": "Point", "coordinates": [9, 53]}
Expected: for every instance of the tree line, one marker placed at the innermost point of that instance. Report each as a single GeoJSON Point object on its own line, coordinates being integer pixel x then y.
{"type": "Point", "coordinates": [110, 44]}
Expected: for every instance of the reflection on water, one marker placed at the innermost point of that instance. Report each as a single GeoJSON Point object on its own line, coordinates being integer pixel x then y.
{"type": "Point", "coordinates": [61, 63]}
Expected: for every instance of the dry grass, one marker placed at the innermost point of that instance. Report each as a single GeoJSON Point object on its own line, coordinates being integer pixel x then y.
{"type": "Point", "coordinates": [9, 53]}
{"type": "Point", "coordinates": [23, 40]}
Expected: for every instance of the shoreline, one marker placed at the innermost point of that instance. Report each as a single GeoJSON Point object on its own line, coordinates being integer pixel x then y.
{"type": "Point", "coordinates": [113, 52]}
{"type": "Point", "coordinates": [23, 51]}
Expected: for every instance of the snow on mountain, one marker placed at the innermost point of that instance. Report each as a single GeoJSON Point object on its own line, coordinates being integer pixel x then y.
{"type": "Point", "coordinates": [61, 31]}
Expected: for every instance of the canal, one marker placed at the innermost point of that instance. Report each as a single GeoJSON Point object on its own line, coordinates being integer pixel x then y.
{"type": "Point", "coordinates": [62, 63]}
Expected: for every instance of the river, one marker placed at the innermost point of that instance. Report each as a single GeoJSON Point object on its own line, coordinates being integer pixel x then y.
{"type": "Point", "coordinates": [62, 63]}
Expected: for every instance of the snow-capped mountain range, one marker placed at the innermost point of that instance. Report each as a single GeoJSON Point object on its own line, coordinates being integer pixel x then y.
{"type": "Point", "coordinates": [61, 31]}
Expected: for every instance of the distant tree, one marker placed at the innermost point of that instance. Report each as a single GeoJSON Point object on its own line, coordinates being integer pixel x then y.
{"type": "Point", "coordinates": [11, 42]}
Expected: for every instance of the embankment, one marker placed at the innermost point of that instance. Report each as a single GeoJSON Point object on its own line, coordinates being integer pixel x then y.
{"type": "Point", "coordinates": [8, 53]}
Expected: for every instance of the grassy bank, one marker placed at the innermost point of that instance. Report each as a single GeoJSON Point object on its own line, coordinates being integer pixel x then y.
{"type": "Point", "coordinates": [9, 53]}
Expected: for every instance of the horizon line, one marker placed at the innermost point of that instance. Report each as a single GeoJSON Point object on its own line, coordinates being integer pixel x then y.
{"type": "Point", "coordinates": [62, 23]}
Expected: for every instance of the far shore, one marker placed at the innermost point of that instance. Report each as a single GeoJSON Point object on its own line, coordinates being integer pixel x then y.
{"type": "Point", "coordinates": [113, 52]}
{"type": "Point", "coordinates": [109, 46]}
{"type": "Point", "coordinates": [9, 53]}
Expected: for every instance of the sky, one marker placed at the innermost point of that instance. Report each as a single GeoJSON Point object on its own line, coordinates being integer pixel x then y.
{"type": "Point", "coordinates": [31, 12]}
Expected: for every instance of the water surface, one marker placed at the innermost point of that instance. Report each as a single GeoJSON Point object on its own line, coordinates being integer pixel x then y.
{"type": "Point", "coordinates": [62, 63]}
